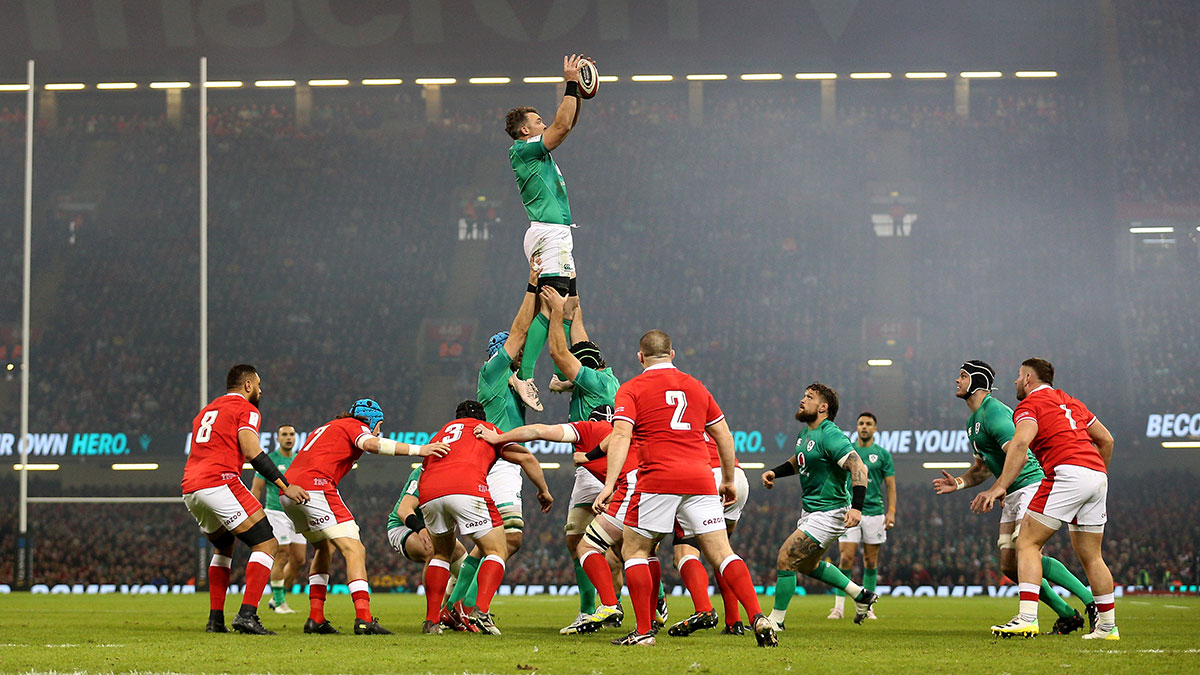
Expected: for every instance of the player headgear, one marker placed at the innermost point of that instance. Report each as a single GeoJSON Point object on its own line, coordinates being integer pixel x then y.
{"type": "Point", "coordinates": [588, 354]}
{"type": "Point", "coordinates": [367, 409]}
{"type": "Point", "coordinates": [496, 342]}
{"type": "Point", "coordinates": [471, 409]}
{"type": "Point", "coordinates": [602, 413]}
{"type": "Point", "coordinates": [982, 375]}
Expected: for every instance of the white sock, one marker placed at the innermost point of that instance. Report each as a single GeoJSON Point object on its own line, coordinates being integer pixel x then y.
{"type": "Point", "coordinates": [853, 590]}
{"type": "Point", "coordinates": [277, 583]}
{"type": "Point", "coordinates": [778, 615]}
{"type": "Point", "coordinates": [1029, 608]}
{"type": "Point", "coordinates": [839, 602]}
{"type": "Point", "coordinates": [1107, 617]}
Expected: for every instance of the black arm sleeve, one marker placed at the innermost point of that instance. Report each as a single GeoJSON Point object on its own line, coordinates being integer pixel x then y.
{"type": "Point", "coordinates": [594, 454]}
{"type": "Point", "coordinates": [785, 469]}
{"type": "Point", "coordinates": [858, 496]}
{"type": "Point", "coordinates": [266, 468]}
{"type": "Point", "coordinates": [415, 521]}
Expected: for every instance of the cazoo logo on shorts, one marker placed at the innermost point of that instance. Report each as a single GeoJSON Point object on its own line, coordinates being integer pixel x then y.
{"type": "Point", "coordinates": [1173, 425]}
{"type": "Point", "coordinates": [478, 523]}
{"type": "Point", "coordinates": [712, 521]}
{"type": "Point", "coordinates": [232, 518]}
{"type": "Point", "coordinates": [314, 522]}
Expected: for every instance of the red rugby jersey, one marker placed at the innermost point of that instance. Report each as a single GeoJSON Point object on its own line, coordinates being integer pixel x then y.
{"type": "Point", "coordinates": [329, 453]}
{"type": "Point", "coordinates": [214, 455]}
{"type": "Point", "coordinates": [669, 410]}
{"type": "Point", "coordinates": [464, 470]}
{"type": "Point", "coordinates": [590, 434]}
{"type": "Point", "coordinates": [1062, 434]}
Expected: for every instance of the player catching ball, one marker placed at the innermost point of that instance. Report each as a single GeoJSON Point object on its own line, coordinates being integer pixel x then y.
{"type": "Point", "coordinates": [544, 194]}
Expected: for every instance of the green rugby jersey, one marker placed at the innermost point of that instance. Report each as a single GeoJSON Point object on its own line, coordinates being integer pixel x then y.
{"type": "Point", "coordinates": [818, 452]}
{"type": "Point", "coordinates": [592, 388]}
{"type": "Point", "coordinates": [879, 466]}
{"type": "Point", "coordinates": [271, 494]}
{"type": "Point", "coordinates": [988, 429]}
{"type": "Point", "coordinates": [543, 189]}
{"type": "Point", "coordinates": [410, 488]}
{"type": "Point", "coordinates": [501, 404]}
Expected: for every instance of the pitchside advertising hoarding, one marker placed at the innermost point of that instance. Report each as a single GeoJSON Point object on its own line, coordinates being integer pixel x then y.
{"type": "Point", "coordinates": [901, 442]}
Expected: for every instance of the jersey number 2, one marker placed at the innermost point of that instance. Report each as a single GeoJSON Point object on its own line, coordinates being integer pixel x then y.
{"type": "Point", "coordinates": [679, 400]}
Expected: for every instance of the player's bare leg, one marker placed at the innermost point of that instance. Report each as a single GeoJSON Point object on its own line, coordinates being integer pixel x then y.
{"type": "Point", "coordinates": [801, 554]}
{"type": "Point", "coordinates": [287, 567]}
{"type": "Point", "coordinates": [602, 536]}
{"type": "Point", "coordinates": [1033, 537]}
{"type": "Point", "coordinates": [1068, 619]}
{"type": "Point", "coordinates": [494, 545]}
{"type": "Point", "coordinates": [318, 584]}
{"type": "Point", "coordinates": [256, 532]}
{"type": "Point", "coordinates": [1089, 547]}
{"type": "Point", "coordinates": [846, 552]}
{"type": "Point", "coordinates": [716, 549]}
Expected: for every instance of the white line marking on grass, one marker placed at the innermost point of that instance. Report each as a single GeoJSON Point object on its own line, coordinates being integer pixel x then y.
{"type": "Point", "coordinates": [1176, 606]}
{"type": "Point", "coordinates": [1138, 602]}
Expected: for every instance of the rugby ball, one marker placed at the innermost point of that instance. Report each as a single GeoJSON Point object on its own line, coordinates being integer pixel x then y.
{"type": "Point", "coordinates": [589, 79]}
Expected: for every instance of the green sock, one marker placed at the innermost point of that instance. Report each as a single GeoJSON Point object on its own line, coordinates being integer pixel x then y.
{"type": "Point", "coordinates": [846, 573]}
{"type": "Point", "coordinates": [1057, 573]}
{"type": "Point", "coordinates": [277, 592]}
{"type": "Point", "coordinates": [466, 579]}
{"type": "Point", "coordinates": [587, 592]}
{"type": "Point", "coordinates": [662, 591]}
{"type": "Point", "coordinates": [1054, 601]}
{"type": "Point", "coordinates": [785, 588]}
{"type": "Point", "coordinates": [539, 330]}
{"type": "Point", "coordinates": [870, 577]}
{"type": "Point", "coordinates": [567, 332]}
{"type": "Point", "coordinates": [834, 577]}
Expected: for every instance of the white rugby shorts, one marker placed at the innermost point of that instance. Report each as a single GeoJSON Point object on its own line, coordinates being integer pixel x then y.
{"type": "Point", "coordinates": [285, 530]}
{"type": "Point", "coordinates": [1016, 502]}
{"type": "Point", "coordinates": [324, 516]}
{"type": "Point", "coordinates": [553, 245]}
{"type": "Point", "coordinates": [870, 530]}
{"type": "Point", "coordinates": [653, 515]}
{"type": "Point", "coordinates": [398, 537]}
{"type": "Point", "coordinates": [733, 512]}
{"type": "Point", "coordinates": [587, 488]}
{"type": "Point", "coordinates": [473, 516]}
{"type": "Point", "coordinates": [1075, 495]}
{"type": "Point", "coordinates": [224, 506]}
{"type": "Point", "coordinates": [823, 527]}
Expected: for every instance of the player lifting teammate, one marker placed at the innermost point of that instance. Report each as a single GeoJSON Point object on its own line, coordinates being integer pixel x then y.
{"type": "Point", "coordinates": [225, 434]}
{"type": "Point", "coordinates": [592, 384]}
{"type": "Point", "coordinates": [327, 456]}
{"type": "Point", "coordinates": [454, 494]}
{"type": "Point", "coordinates": [544, 194]}
{"type": "Point", "coordinates": [871, 531]}
{"type": "Point", "coordinates": [989, 429]}
{"type": "Point", "coordinates": [1074, 449]}
{"type": "Point", "coordinates": [824, 460]}
{"type": "Point", "coordinates": [665, 413]}
{"type": "Point", "coordinates": [290, 564]}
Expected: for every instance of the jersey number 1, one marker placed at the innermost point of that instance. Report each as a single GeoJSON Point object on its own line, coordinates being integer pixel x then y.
{"type": "Point", "coordinates": [679, 400]}
{"type": "Point", "coordinates": [1071, 420]}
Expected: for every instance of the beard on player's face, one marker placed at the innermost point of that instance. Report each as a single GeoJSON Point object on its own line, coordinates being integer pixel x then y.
{"type": "Point", "coordinates": [806, 417]}
{"type": "Point", "coordinates": [255, 397]}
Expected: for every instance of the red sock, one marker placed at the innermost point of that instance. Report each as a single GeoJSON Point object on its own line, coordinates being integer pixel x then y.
{"type": "Point", "coordinates": [317, 585]}
{"type": "Point", "coordinates": [695, 579]}
{"type": "Point", "coordinates": [642, 592]}
{"type": "Point", "coordinates": [732, 615]}
{"type": "Point", "coordinates": [360, 592]}
{"type": "Point", "coordinates": [258, 573]}
{"type": "Point", "coordinates": [655, 577]}
{"type": "Point", "coordinates": [491, 573]}
{"type": "Point", "coordinates": [437, 574]}
{"type": "Point", "coordinates": [218, 581]}
{"type": "Point", "coordinates": [596, 569]}
{"type": "Point", "coordinates": [737, 575]}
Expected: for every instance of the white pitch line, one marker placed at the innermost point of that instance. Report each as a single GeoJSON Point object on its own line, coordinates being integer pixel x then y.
{"type": "Point", "coordinates": [1176, 606]}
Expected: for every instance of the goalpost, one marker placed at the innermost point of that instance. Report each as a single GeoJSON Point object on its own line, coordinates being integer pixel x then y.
{"type": "Point", "coordinates": [23, 570]}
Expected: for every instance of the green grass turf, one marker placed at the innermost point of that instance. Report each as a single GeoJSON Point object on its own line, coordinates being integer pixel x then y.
{"type": "Point", "coordinates": [116, 633]}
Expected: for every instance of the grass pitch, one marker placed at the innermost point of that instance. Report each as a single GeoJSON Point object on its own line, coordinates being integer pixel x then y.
{"type": "Point", "coordinates": [113, 633]}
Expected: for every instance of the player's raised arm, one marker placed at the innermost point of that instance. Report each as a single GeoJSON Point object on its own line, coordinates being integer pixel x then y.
{"type": "Point", "coordinates": [1015, 456]}
{"type": "Point", "coordinates": [524, 317]}
{"type": "Point", "coordinates": [251, 450]}
{"type": "Point", "coordinates": [560, 351]}
{"type": "Point", "coordinates": [518, 454]}
{"type": "Point", "coordinates": [529, 432]}
{"type": "Point", "coordinates": [568, 110]}
{"type": "Point", "coordinates": [1103, 440]}
{"type": "Point", "coordinates": [385, 446]}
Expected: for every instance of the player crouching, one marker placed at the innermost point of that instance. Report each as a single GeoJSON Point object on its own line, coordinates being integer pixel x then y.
{"type": "Point", "coordinates": [325, 521]}
{"type": "Point", "coordinates": [453, 492]}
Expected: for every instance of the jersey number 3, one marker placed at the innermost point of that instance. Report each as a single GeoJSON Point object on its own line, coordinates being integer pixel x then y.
{"type": "Point", "coordinates": [679, 400]}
